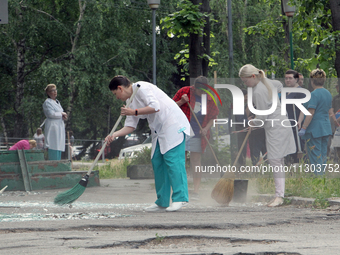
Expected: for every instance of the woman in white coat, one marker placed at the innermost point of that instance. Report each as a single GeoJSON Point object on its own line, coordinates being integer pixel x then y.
{"type": "Point", "coordinates": [168, 126]}
{"type": "Point", "coordinates": [279, 139]}
{"type": "Point", "coordinates": [54, 124]}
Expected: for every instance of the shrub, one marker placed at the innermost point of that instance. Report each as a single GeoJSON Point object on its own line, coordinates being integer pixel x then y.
{"type": "Point", "coordinates": [117, 171]}
{"type": "Point", "coordinates": [143, 157]}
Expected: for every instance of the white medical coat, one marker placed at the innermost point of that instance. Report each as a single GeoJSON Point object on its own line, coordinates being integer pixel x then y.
{"type": "Point", "coordinates": [167, 125]}
{"type": "Point", "coordinates": [277, 84]}
{"type": "Point", "coordinates": [279, 139]}
{"type": "Point", "coordinates": [54, 125]}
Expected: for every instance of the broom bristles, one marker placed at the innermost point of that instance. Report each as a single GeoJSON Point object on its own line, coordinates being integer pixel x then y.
{"type": "Point", "coordinates": [223, 191]}
{"type": "Point", "coordinates": [69, 196]}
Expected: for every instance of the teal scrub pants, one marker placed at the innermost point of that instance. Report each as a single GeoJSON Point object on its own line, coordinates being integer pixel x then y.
{"type": "Point", "coordinates": [317, 153]}
{"type": "Point", "coordinates": [54, 155]}
{"type": "Point", "coordinates": [169, 172]}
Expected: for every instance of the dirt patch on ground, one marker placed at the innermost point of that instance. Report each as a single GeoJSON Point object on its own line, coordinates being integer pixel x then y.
{"type": "Point", "coordinates": [180, 242]}
{"type": "Point", "coordinates": [185, 241]}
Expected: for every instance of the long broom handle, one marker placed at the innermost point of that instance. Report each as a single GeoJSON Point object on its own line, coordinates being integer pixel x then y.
{"type": "Point", "coordinates": [112, 131]}
{"type": "Point", "coordinates": [240, 150]}
{"type": "Point", "coordinates": [296, 131]}
{"type": "Point", "coordinates": [69, 148]}
{"type": "Point", "coordinates": [212, 151]}
{"type": "Point", "coordinates": [244, 142]}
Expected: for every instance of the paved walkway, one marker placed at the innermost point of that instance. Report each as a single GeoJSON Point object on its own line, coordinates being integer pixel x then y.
{"type": "Point", "coordinates": [110, 220]}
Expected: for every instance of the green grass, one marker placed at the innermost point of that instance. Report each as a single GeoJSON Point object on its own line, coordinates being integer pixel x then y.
{"type": "Point", "coordinates": [118, 170]}
{"type": "Point", "coordinates": [303, 185]}
{"type": "Point", "coordinates": [321, 202]}
{"type": "Point", "coordinates": [297, 184]}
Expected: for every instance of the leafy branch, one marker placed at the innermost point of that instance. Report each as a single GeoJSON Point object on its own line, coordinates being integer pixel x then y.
{"type": "Point", "coordinates": [189, 20]}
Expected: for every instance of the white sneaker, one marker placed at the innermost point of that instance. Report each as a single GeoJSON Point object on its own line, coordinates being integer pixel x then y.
{"type": "Point", "coordinates": [154, 208]}
{"type": "Point", "coordinates": [175, 206]}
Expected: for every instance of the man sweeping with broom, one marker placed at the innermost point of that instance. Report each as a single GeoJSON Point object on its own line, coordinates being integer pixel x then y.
{"type": "Point", "coordinates": [168, 126]}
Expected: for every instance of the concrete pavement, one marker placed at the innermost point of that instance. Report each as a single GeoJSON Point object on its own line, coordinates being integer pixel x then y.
{"type": "Point", "coordinates": [110, 220]}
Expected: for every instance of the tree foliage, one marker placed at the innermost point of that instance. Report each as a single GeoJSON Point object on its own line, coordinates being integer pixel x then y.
{"type": "Point", "coordinates": [188, 20]}
{"type": "Point", "coordinates": [313, 34]}
{"type": "Point", "coordinates": [82, 55]}
{"type": "Point", "coordinates": [81, 45]}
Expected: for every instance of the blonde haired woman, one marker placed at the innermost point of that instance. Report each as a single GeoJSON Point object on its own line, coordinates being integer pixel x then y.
{"type": "Point", "coordinates": [279, 139]}
{"type": "Point", "coordinates": [54, 124]}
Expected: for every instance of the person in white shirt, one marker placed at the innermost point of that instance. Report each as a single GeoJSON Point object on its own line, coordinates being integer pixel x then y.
{"type": "Point", "coordinates": [168, 126]}
{"type": "Point", "coordinates": [54, 124]}
{"type": "Point", "coordinates": [39, 138]}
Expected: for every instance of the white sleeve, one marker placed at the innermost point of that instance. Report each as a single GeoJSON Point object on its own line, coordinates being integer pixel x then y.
{"type": "Point", "coordinates": [131, 121]}
{"type": "Point", "coordinates": [50, 111]}
{"type": "Point", "coordinates": [148, 97]}
{"type": "Point", "coordinates": [277, 84]}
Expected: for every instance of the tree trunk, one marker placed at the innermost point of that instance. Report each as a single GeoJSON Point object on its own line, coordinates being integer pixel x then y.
{"type": "Point", "coordinates": [195, 62]}
{"type": "Point", "coordinates": [20, 127]}
{"type": "Point", "coordinates": [286, 29]}
{"type": "Point", "coordinates": [241, 32]}
{"type": "Point", "coordinates": [72, 86]}
{"type": "Point", "coordinates": [335, 8]}
{"type": "Point", "coordinates": [206, 38]}
{"type": "Point", "coordinates": [4, 131]}
{"type": "Point", "coordinates": [195, 50]}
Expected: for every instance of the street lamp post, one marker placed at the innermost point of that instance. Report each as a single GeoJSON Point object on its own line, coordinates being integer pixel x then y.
{"type": "Point", "coordinates": [230, 36]}
{"type": "Point", "coordinates": [289, 11]}
{"type": "Point", "coordinates": [233, 139]}
{"type": "Point", "coordinates": [154, 4]}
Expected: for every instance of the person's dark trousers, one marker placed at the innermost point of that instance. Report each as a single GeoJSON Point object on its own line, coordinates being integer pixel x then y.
{"type": "Point", "coordinates": [243, 155]}
{"type": "Point", "coordinates": [257, 144]}
{"type": "Point", "coordinates": [293, 158]}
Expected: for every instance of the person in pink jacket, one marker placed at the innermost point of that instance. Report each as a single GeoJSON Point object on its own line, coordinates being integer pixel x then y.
{"type": "Point", "coordinates": [24, 144]}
